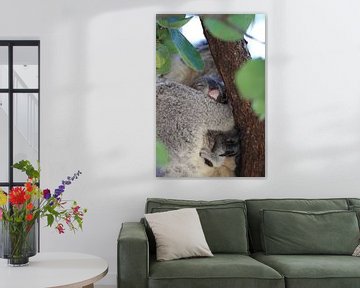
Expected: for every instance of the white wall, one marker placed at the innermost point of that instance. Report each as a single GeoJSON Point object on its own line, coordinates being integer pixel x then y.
{"type": "Point", "coordinates": [97, 105]}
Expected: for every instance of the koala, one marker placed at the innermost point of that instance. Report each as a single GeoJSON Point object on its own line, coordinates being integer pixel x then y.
{"type": "Point", "coordinates": [184, 116]}
{"type": "Point", "coordinates": [211, 86]}
{"type": "Point", "coordinates": [219, 145]}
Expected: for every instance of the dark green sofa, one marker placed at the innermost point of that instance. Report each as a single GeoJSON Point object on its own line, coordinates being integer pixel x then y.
{"type": "Point", "coordinates": [232, 230]}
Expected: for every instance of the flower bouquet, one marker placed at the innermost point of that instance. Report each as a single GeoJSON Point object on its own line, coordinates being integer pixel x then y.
{"type": "Point", "coordinates": [23, 206]}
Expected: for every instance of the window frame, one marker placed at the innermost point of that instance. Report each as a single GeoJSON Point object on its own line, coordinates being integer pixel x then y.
{"type": "Point", "coordinates": [10, 91]}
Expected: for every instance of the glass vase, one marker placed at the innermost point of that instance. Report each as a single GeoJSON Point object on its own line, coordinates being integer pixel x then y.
{"type": "Point", "coordinates": [18, 242]}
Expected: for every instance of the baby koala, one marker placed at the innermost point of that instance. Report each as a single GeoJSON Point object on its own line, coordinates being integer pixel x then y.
{"type": "Point", "coordinates": [219, 145]}
{"type": "Point", "coordinates": [211, 86]}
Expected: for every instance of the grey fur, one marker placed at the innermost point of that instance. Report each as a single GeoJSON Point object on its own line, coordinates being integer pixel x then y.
{"type": "Point", "coordinates": [183, 118]}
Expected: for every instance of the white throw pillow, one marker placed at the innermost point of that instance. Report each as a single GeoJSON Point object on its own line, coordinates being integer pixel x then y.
{"type": "Point", "coordinates": [357, 251]}
{"type": "Point", "coordinates": [178, 234]}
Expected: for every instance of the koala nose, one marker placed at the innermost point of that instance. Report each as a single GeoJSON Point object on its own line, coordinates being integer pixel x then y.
{"type": "Point", "coordinates": [209, 163]}
{"type": "Point", "coordinates": [223, 100]}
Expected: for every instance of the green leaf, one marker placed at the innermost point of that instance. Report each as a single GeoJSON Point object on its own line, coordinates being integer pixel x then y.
{"type": "Point", "coordinates": [241, 21]}
{"type": "Point", "coordinates": [161, 33]}
{"type": "Point", "coordinates": [52, 211]}
{"type": "Point", "coordinates": [250, 82]}
{"type": "Point", "coordinates": [186, 50]}
{"type": "Point", "coordinates": [259, 108]}
{"type": "Point", "coordinates": [28, 168]}
{"type": "Point", "coordinates": [221, 30]}
{"type": "Point", "coordinates": [162, 156]}
{"type": "Point", "coordinates": [50, 219]}
{"type": "Point", "coordinates": [163, 37]}
{"type": "Point", "coordinates": [174, 22]}
{"type": "Point", "coordinates": [170, 45]}
{"type": "Point", "coordinates": [163, 60]}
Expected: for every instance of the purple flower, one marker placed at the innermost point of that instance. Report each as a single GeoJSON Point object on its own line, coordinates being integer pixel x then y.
{"type": "Point", "coordinates": [46, 194]}
{"type": "Point", "coordinates": [58, 192]}
{"type": "Point", "coordinates": [68, 181]}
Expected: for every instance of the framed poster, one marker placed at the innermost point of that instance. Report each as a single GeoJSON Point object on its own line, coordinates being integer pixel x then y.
{"type": "Point", "coordinates": [210, 95]}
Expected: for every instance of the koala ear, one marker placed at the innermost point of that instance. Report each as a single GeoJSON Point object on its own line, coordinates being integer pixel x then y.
{"type": "Point", "coordinates": [214, 93]}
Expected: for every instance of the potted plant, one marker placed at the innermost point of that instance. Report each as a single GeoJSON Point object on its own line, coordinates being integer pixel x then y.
{"type": "Point", "coordinates": [21, 208]}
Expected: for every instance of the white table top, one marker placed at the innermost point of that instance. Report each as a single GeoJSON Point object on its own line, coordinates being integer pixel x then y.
{"type": "Point", "coordinates": [54, 270]}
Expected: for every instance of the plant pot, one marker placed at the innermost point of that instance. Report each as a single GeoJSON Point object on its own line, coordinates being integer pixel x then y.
{"type": "Point", "coordinates": [18, 242]}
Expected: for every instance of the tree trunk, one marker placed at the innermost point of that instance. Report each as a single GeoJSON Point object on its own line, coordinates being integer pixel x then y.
{"type": "Point", "coordinates": [228, 57]}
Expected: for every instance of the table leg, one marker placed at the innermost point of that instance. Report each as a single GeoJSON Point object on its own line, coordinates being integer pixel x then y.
{"type": "Point", "coordinates": [89, 286]}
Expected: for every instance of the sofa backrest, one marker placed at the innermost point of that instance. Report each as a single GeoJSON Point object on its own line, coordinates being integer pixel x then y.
{"type": "Point", "coordinates": [256, 205]}
{"type": "Point", "coordinates": [223, 221]}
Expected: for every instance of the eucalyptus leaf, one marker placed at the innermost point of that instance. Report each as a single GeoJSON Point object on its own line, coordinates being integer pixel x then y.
{"type": "Point", "coordinates": [163, 61]}
{"type": "Point", "coordinates": [170, 45]}
{"type": "Point", "coordinates": [162, 33]}
{"type": "Point", "coordinates": [222, 30]}
{"type": "Point", "coordinates": [250, 82]}
{"type": "Point", "coordinates": [241, 21]}
{"type": "Point", "coordinates": [258, 107]}
{"type": "Point", "coordinates": [162, 156]}
{"type": "Point", "coordinates": [186, 50]}
{"type": "Point", "coordinates": [174, 22]}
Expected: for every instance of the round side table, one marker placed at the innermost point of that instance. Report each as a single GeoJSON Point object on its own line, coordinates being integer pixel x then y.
{"type": "Point", "coordinates": [50, 270]}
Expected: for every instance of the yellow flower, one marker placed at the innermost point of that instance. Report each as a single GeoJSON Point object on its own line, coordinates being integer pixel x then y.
{"type": "Point", "coordinates": [3, 198]}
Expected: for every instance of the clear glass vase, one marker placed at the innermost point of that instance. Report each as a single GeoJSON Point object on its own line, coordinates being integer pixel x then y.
{"type": "Point", "coordinates": [18, 242]}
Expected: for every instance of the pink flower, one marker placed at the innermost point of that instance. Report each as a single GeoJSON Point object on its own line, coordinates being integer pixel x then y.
{"type": "Point", "coordinates": [1, 212]}
{"type": "Point", "coordinates": [60, 228]}
{"type": "Point", "coordinates": [75, 209]}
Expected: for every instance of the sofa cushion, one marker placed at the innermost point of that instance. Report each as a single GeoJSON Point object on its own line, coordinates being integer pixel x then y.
{"type": "Point", "coordinates": [313, 271]}
{"type": "Point", "coordinates": [222, 270]}
{"type": "Point", "coordinates": [223, 221]}
{"type": "Point", "coordinates": [254, 206]}
{"type": "Point", "coordinates": [353, 201]}
{"type": "Point", "coordinates": [178, 234]}
{"type": "Point", "coordinates": [356, 209]}
{"type": "Point", "coordinates": [297, 232]}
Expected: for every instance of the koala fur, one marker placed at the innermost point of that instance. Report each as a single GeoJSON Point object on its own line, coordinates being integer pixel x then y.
{"type": "Point", "coordinates": [183, 118]}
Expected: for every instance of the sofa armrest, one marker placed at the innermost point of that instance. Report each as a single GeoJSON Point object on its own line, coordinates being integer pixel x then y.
{"type": "Point", "coordinates": [133, 256]}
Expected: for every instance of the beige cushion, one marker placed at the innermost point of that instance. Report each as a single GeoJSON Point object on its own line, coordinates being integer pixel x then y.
{"type": "Point", "coordinates": [178, 234]}
{"type": "Point", "coordinates": [357, 251]}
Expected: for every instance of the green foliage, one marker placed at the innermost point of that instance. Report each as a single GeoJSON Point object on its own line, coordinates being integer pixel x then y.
{"type": "Point", "coordinates": [221, 30]}
{"type": "Point", "coordinates": [241, 21]}
{"type": "Point", "coordinates": [231, 28]}
{"type": "Point", "coordinates": [50, 219]}
{"type": "Point", "coordinates": [162, 156]}
{"type": "Point", "coordinates": [250, 82]}
{"type": "Point", "coordinates": [170, 41]}
{"type": "Point", "coordinates": [186, 50]}
{"type": "Point", "coordinates": [163, 60]}
{"type": "Point", "coordinates": [174, 22]}
{"type": "Point", "coordinates": [28, 168]}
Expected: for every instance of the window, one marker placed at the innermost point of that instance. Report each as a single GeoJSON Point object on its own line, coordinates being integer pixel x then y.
{"type": "Point", "coordinates": [19, 108]}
